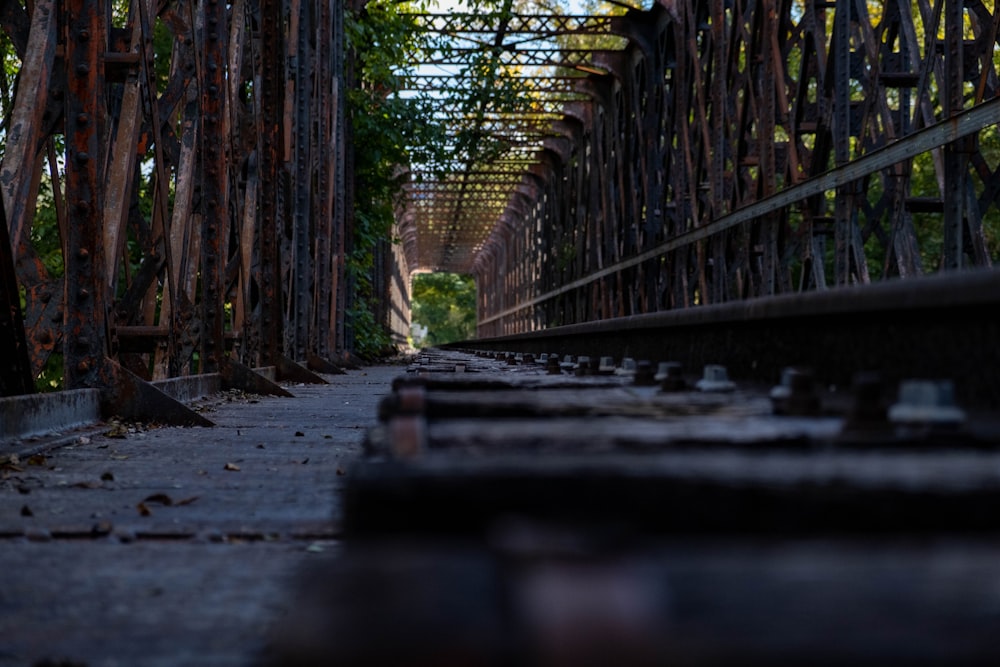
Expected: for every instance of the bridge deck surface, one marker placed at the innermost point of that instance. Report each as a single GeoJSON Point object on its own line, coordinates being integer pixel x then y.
{"type": "Point", "coordinates": [174, 546]}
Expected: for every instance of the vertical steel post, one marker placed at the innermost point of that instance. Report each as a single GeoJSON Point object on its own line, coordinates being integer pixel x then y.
{"type": "Point", "coordinates": [955, 157]}
{"type": "Point", "coordinates": [215, 209]}
{"type": "Point", "coordinates": [301, 64]}
{"type": "Point", "coordinates": [85, 316]}
{"type": "Point", "coordinates": [841, 47]}
{"type": "Point", "coordinates": [270, 217]}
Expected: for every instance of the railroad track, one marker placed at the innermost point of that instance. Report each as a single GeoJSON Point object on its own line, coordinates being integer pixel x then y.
{"type": "Point", "coordinates": [517, 508]}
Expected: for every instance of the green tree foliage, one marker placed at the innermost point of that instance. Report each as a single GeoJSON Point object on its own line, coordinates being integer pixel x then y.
{"type": "Point", "coordinates": [401, 136]}
{"type": "Point", "coordinates": [445, 303]}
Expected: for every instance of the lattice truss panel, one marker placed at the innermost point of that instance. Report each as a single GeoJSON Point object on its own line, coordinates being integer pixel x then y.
{"type": "Point", "coordinates": [739, 149]}
{"type": "Point", "coordinates": [452, 208]}
{"type": "Point", "coordinates": [191, 155]}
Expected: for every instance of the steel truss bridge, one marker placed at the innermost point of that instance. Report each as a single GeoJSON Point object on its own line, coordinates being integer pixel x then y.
{"type": "Point", "coordinates": [708, 151]}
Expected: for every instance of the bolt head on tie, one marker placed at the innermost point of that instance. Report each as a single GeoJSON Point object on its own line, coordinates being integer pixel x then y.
{"type": "Point", "coordinates": [628, 368]}
{"type": "Point", "coordinates": [644, 375]}
{"type": "Point", "coordinates": [606, 366]}
{"type": "Point", "coordinates": [672, 379]}
{"type": "Point", "coordinates": [928, 403]}
{"type": "Point", "coordinates": [796, 395]}
{"type": "Point", "coordinates": [715, 379]}
{"type": "Point", "coordinates": [552, 366]}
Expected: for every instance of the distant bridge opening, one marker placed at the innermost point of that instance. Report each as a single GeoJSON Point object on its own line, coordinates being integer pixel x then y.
{"type": "Point", "coordinates": [443, 308]}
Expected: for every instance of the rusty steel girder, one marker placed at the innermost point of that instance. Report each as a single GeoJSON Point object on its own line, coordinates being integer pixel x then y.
{"type": "Point", "coordinates": [152, 248]}
{"type": "Point", "coordinates": [745, 149]}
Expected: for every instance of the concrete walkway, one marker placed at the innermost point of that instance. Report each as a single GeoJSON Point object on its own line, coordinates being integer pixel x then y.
{"type": "Point", "coordinates": [142, 546]}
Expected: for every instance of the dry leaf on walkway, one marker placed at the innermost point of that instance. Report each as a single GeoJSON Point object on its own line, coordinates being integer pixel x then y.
{"type": "Point", "coordinates": [143, 510]}
{"type": "Point", "coordinates": [160, 499]}
{"type": "Point", "coordinates": [231, 466]}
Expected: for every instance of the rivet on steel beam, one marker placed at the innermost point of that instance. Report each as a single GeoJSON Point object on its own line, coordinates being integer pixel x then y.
{"type": "Point", "coordinates": [928, 403]}
{"type": "Point", "coordinates": [45, 297]}
{"type": "Point", "coordinates": [84, 294]}
{"type": "Point", "coordinates": [82, 206]}
{"type": "Point", "coordinates": [83, 366]}
{"type": "Point", "coordinates": [82, 69]}
{"type": "Point", "coordinates": [644, 375]}
{"type": "Point", "coordinates": [83, 157]}
{"type": "Point", "coordinates": [83, 35]}
{"type": "Point", "coordinates": [673, 376]}
{"type": "Point", "coordinates": [82, 118]}
{"type": "Point", "coordinates": [83, 343]}
{"type": "Point", "coordinates": [715, 379]}
{"type": "Point", "coordinates": [45, 337]}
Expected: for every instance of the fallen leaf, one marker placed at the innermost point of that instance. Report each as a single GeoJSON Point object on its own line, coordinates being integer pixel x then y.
{"type": "Point", "coordinates": [231, 466]}
{"type": "Point", "coordinates": [26, 511]}
{"type": "Point", "coordinates": [108, 477]}
{"type": "Point", "coordinates": [117, 430]}
{"type": "Point", "coordinates": [186, 501]}
{"type": "Point", "coordinates": [159, 499]}
{"type": "Point", "coordinates": [305, 460]}
{"type": "Point", "coordinates": [341, 471]}
{"type": "Point", "coordinates": [299, 434]}
{"type": "Point", "coordinates": [143, 510]}
{"type": "Point", "coordinates": [89, 484]}
{"type": "Point", "coordinates": [260, 446]}
{"type": "Point", "coordinates": [36, 460]}
{"type": "Point", "coordinates": [10, 463]}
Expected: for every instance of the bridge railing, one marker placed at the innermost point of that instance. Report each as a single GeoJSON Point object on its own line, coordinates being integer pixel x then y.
{"type": "Point", "coordinates": [737, 150]}
{"type": "Point", "coordinates": [174, 178]}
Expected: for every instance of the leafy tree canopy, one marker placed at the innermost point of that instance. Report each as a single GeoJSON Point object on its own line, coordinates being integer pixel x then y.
{"type": "Point", "coordinates": [445, 303]}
